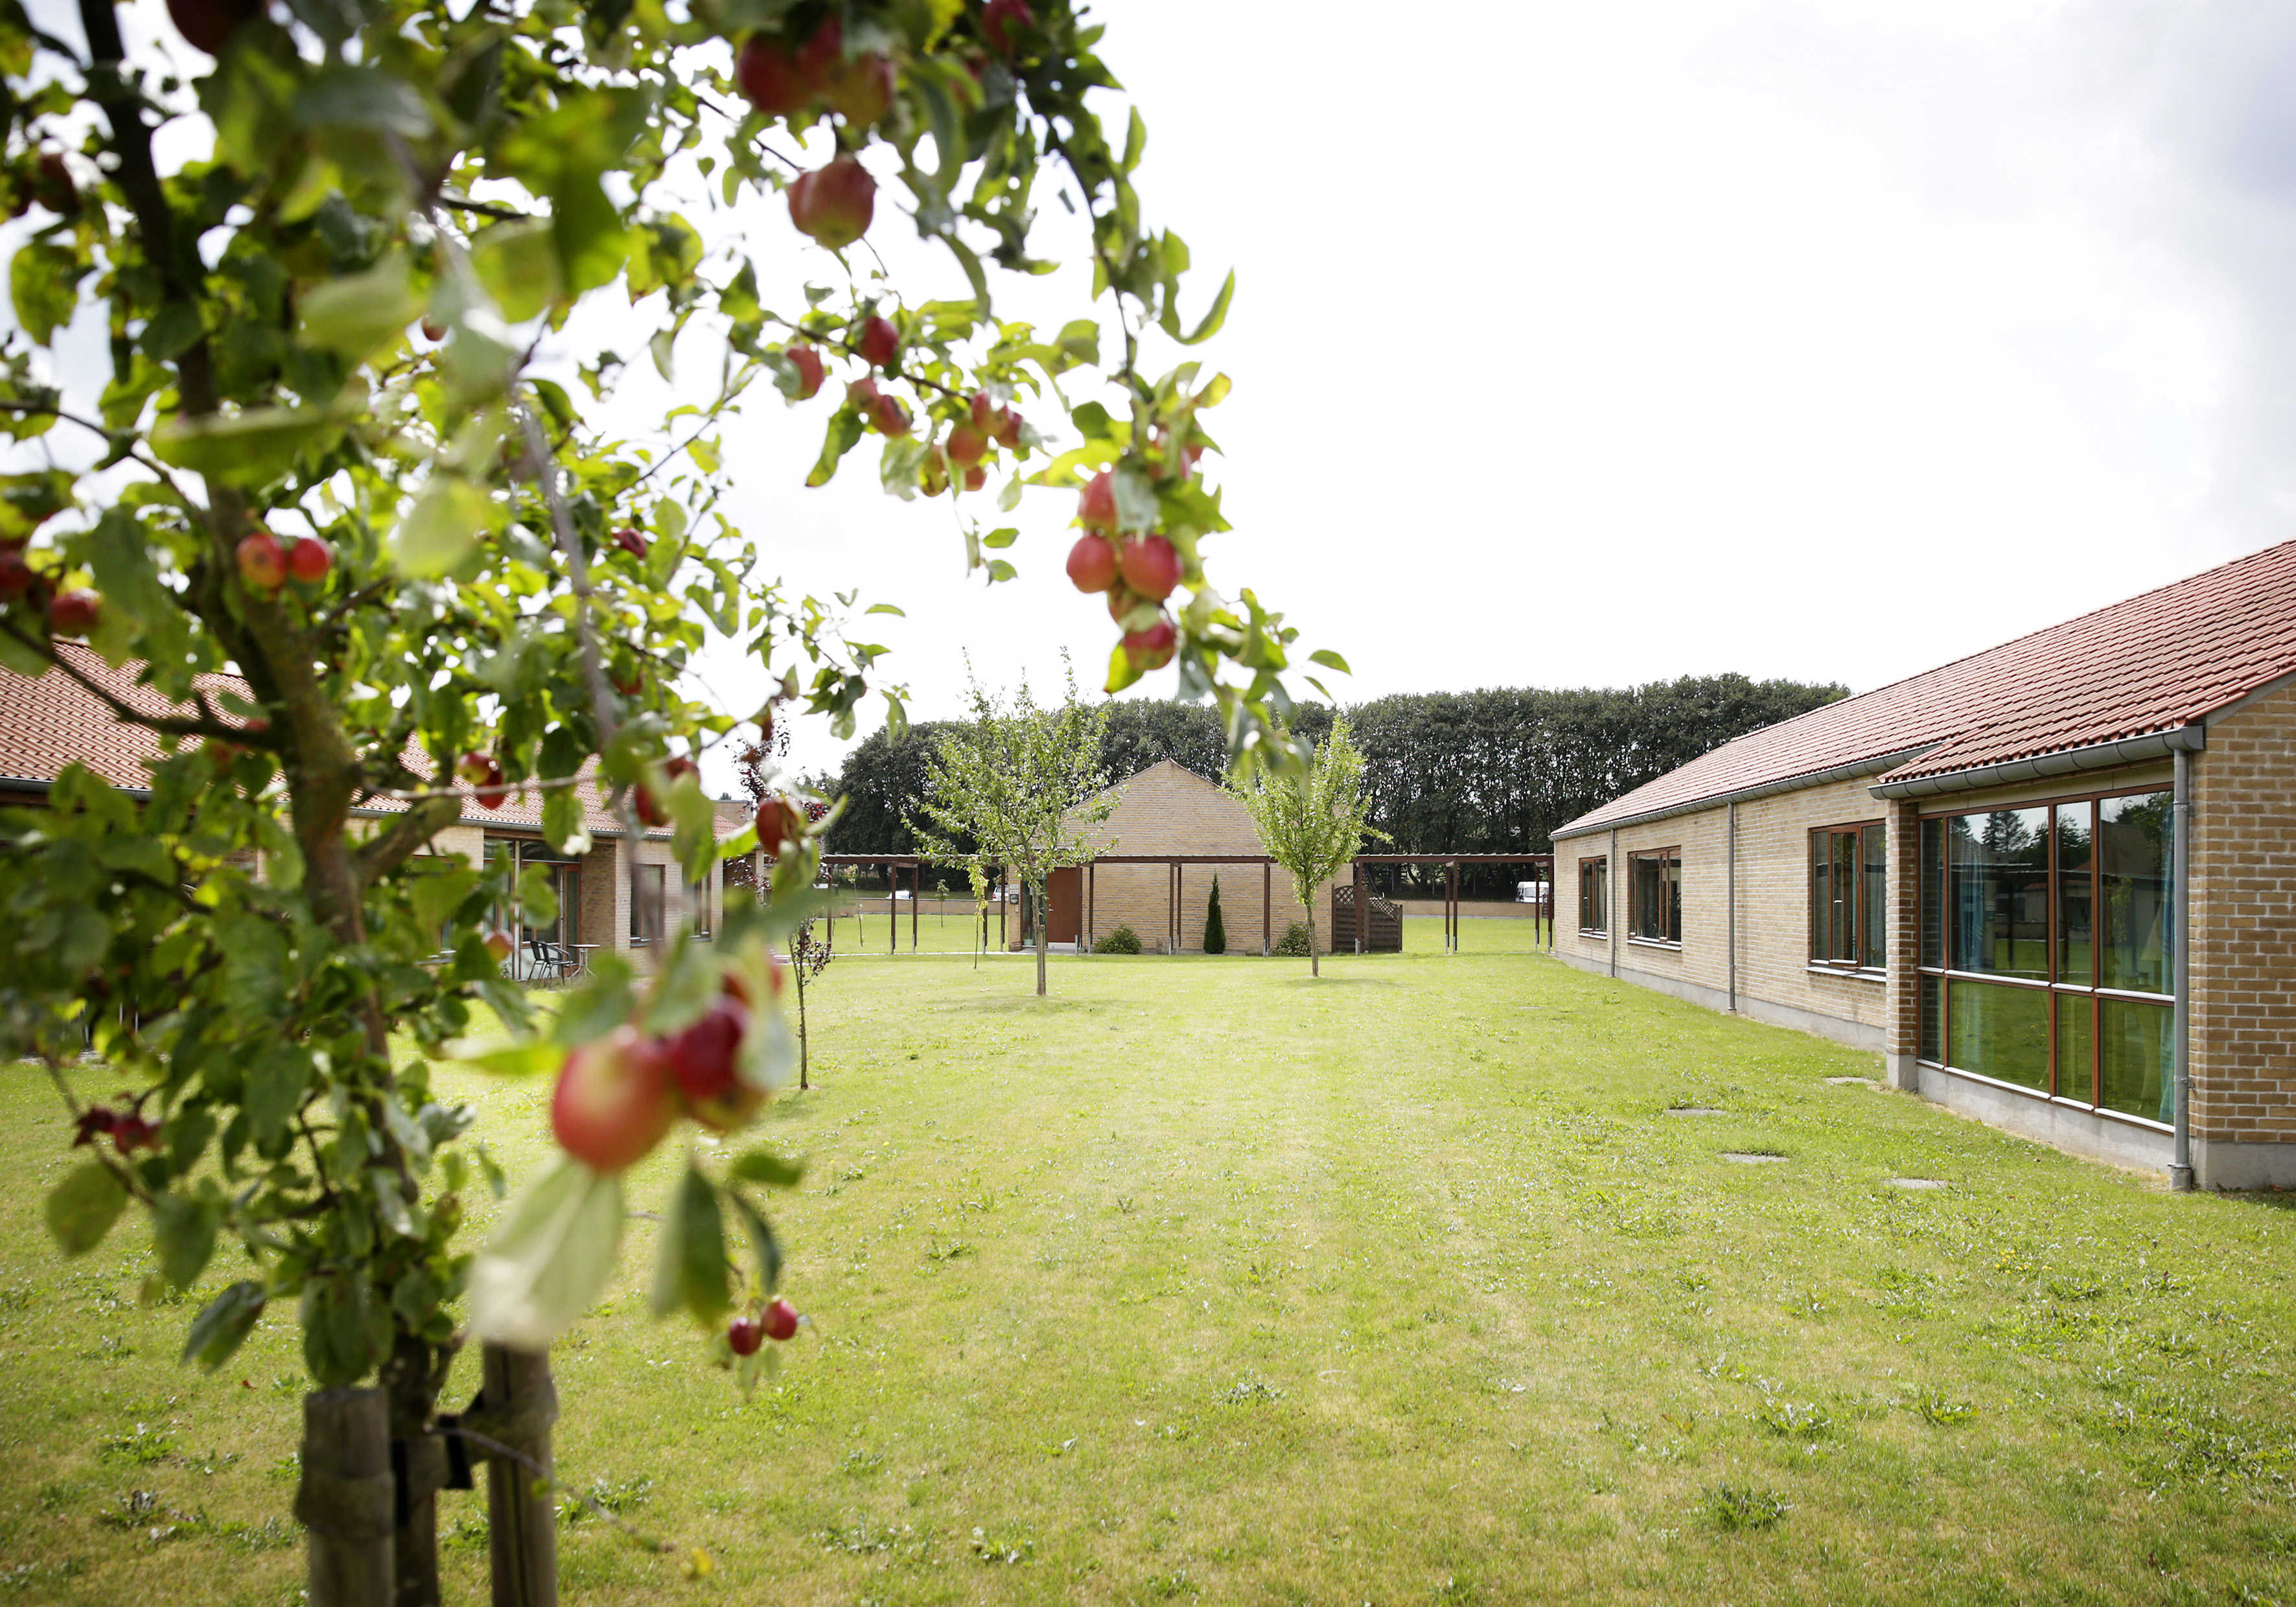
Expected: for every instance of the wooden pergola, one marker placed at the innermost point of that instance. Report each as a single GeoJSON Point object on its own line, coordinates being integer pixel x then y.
{"type": "Point", "coordinates": [1543, 910]}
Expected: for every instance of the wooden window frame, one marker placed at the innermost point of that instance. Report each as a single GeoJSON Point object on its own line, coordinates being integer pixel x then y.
{"type": "Point", "coordinates": [1672, 855]}
{"type": "Point", "coordinates": [657, 875]}
{"type": "Point", "coordinates": [1595, 865]}
{"type": "Point", "coordinates": [2056, 987]}
{"type": "Point", "coordinates": [1854, 921]}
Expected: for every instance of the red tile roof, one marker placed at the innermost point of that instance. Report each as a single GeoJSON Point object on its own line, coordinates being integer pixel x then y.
{"type": "Point", "coordinates": [47, 722]}
{"type": "Point", "coordinates": [2149, 664]}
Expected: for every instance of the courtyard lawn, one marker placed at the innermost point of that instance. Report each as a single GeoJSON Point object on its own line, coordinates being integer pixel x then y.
{"type": "Point", "coordinates": [1199, 1280]}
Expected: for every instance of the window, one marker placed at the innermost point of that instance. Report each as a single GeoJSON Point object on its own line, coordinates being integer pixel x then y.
{"type": "Point", "coordinates": [699, 897]}
{"type": "Point", "coordinates": [1850, 896]}
{"type": "Point", "coordinates": [1655, 896]}
{"type": "Point", "coordinates": [1594, 895]}
{"type": "Point", "coordinates": [645, 908]}
{"type": "Point", "coordinates": [2046, 941]}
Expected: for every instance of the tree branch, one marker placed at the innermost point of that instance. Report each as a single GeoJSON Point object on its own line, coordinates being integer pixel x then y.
{"type": "Point", "coordinates": [126, 713]}
{"type": "Point", "coordinates": [391, 847]}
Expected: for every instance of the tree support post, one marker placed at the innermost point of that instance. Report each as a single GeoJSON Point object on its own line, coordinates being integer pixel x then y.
{"type": "Point", "coordinates": [517, 1406]}
{"type": "Point", "coordinates": [344, 1501]}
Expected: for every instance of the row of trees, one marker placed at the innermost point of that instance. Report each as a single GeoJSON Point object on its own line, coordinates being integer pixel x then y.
{"type": "Point", "coordinates": [1486, 771]}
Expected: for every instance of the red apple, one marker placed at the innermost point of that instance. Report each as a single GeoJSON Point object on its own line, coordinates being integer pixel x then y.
{"type": "Point", "coordinates": [770, 76]}
{"type": "Point", "coordinates": [975, 477]}
{"type": "Point", "coordinates": [705, 1062]}
{"type": "Point", "coordinates": [631, 542]}
{"type": "Point", "coordinates": [614, 1100]}
{"type": "Point", "coordinates": [309, 559]}
{"type": "Point", "coordinates": [1096, 507]}
{"type": "Point", "coordinates": [984, 413]}
{"type": "Point", "coordinates": [736, 986]}
{"type": "Point", "coordinates": [890, 416]}
{"type": "Point", "coordinates": [210, 24]}
{"type": "Point", "coordinates": [262, 565]}
{"type": "Point", "coordinates": [1152, 649]}
{"type": "Point", "coordinates": [132, 1132]}
{"type": "Point", "coordinates": [966, 444]}
{"type": "Point", "coordinates": [821, 53]}
{"type": "Point", "coordinates": [1152, 567]}
{"type": "Point", "coordinates": [1008, 432]}
{"type": "Point", "coordinates": [484, 772]}
{"type": "Point", "coordinates": [53, 186]}
{"type": "Point", "coordinates": [655, 811]}
{"type": "Point", "coordinates": [16, 576]}
{"type": "Point", "coordinates": [933, 477]}
{"type": "Point", "coordinates": [434, 330]}
{"type": "Point", "coordinates": [1121, 601]}
{"type": "Point", "coordinates": [780, 1320]}
{"type": "Point", "coordinates": [73, 613]}
{"type": "Point", "coordinates": [744, 1334]}
{"type": "Point", "coordinates": [834, 204]}
{"type": "Point", "coordinates": [879, 343]}
{"type": "Point", "coordinates": [499, 946]}
{"type": "Point", "coordinates": [808, 364]}
{"type": "Point", "coordinates": [861, 395]}
{"type": "Point", "coordinates": [862, 90]}
{"type": "Point", "coordinates": [1092, 563]}
{"type": "Point", "coordinates": [780, 821]}
{"type": "Point", "coordinates": [999, 22]}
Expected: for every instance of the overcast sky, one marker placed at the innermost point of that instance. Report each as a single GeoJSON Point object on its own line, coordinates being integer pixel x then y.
{"type": "Point", "coordinates": [1591, 345]}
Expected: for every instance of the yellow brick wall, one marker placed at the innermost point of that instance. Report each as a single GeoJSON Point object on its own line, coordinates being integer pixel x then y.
{"type": "Point", "coordinates": [2244, 934]}
{"type": "Point", "coordinates": [1170, 809]}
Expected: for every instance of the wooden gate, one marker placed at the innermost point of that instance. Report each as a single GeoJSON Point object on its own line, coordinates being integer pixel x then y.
{"type": "Point", "coordinates": [1385, 933]}
{"type": "Point", "coordinates": [1064, 906]}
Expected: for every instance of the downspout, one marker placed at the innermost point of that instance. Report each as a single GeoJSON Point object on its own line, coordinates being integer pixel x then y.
{"type": "Point", "coordinates": [2180, 1162]}
{"type": "Point", "coordinates": [1610, 898]}
{"type": "Point", "coordinates": [1733, 906]}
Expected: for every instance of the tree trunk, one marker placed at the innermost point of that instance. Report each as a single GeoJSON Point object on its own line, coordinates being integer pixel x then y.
{"type": "Point", "coordinates": [803, 1062]}
{"type": "Point", "coordinates": [418, 1461]}
{"type": "Point", "coordinates": [1043, 935]}
{"type": "Point", "coordinates": [1315, 963]}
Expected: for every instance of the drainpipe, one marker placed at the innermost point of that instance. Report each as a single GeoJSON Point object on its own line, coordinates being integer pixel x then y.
{"type": "Point", "coordinates": [2180, 1162]}
{"type": "Point", "coordinates": [1610, 898]}
{"type": "Point", "coordinates": [1733, 906]}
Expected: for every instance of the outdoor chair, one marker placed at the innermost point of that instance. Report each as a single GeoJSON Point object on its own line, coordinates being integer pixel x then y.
{"type": "Point", "coordinates": [548, 961]}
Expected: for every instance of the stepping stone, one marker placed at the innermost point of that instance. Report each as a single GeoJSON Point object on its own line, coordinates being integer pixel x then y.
{"type": "Point", "coordinates": [1917, 1182]}
{"type": "Point", "coordinates": [1863, 1082]}
{"type": "Point", "coordinates": [1746, 1160]}
{"type": "Point", "coordinates": [1696, 1110]}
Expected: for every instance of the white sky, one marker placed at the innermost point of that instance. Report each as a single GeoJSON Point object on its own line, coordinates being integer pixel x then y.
{"type": "Point", "coordinates": [1589, 345]}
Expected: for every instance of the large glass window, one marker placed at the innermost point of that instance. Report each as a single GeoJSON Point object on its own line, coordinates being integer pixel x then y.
{"type": "Point", "coordinates": [1655, 896]}
{"type": "Point", "coordinates": [2071, 906]}
{"type": "Point", "coordinates": [645, 908]}
{"type": "Point", "coordinates": [1594, 895]}
{"type": "Point", "coordinates": [2133, 876]}
{"type": "Point", "coordinates": [1850, 896]}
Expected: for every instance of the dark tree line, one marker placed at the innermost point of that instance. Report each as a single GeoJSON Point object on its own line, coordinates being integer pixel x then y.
{"type": "Point", "coordinates": [1488, 772]}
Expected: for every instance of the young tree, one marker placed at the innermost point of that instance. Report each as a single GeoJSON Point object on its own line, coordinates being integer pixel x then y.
{"type": "Point", "coordinates": [358, 540]}
{"type": "Point", "coordinates": [1024, 785]}
{"type": "Point", "coordinates": [809, 956]}
{"type": "Point", "coordinates": [1215, 927]}
{"type": "Point", "coordinates": [1311, 818]}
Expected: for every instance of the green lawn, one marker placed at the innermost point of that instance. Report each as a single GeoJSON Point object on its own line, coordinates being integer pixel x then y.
{"type": "Point", "coordinates": [1201, 1281]}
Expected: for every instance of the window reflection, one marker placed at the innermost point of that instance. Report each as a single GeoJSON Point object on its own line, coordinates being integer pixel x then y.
{"type": "Point", "coordinates": [2076, 956]}
{"type": "Point", "coordinates": [2134, 1057]}
{"type": "Point", "coordinates": [1998, 891]}
{"type": "Point", "coordinates": [2134, 869]}
{"type": "Point", "coordinates": [2000, 1032]}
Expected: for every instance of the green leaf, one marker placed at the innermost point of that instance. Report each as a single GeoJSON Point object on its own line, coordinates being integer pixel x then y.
{"type": "Point", "coordinates": [441, 532]}
{"type": "Point", "coordinates": [599, 1005]}
{"type": "Point", "coordinates": [223, 1325]}
{"type": "Point", "coordinates": [1136, 507]}
{"type": "Point", "coordinates": [1213, 319]}
{"type": "Point", "coordinates": [250, 448]}
{"type": "Point", "coordinates": [690, 1267]}
{"type": "Point", "coordinates": [29, 501]}
{"type": "Point", "coordinates": [685, 988]}
{"type": "Point", "coordinates": [550, 1258]}
{"type": "Point", "coordinates": [1001, 538]}
{"type": "Point", "coordinates": [184, 1229]}
{"type": "Point", "coordinates": [1122, 669]}
{"type": "Point", "coordinates": [844, 433]}
{"type": "Point", "coordinates": [762, 1243]}
{"type": "Point", "coordinates": [274, 1091]}
{"type": "Point", "coordinates": [518, 262]}
{"type": "Point", "coordinates": [362, 97]}
{"type": "Point", "coordinates": [440, 893]}
{"type": "Point", "coordinates": [1330, 660]}
{"type": "Point", "coordinates": [345, 1329]}
{"type": "Point", "coordinates": [43, 283]}
{"type": "Point", "coordinates": [885, 608]}
{"type": "Point", "coordinates": [764, 1167]}
{"type": "Point", "coordinates": [536, 1057]}
{"type": "Point", "coordinates": [81, 1209]}
{"type": "Point", "coordinates": [563, 825]}
{"type": "Point", "coordinates": [361, 314]}
{"type": "Point", "coordinates": [389, 1204]}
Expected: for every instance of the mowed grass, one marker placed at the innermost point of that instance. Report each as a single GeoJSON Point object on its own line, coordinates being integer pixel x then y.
{"type": "Point", "coordinates": [1201, 1281]}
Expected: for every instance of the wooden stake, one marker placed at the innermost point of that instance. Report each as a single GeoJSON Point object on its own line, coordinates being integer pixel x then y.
{"type": "Point", "coordinates": [521, 1404]}
{"type": "Point", "coordinates": [345, 1500]}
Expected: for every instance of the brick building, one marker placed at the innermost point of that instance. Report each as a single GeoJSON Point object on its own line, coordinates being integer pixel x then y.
{"type": "Point", "coordinates": [50, 721]}
{"type": "Point", "coordinates": [2053, 883]}
{"type": "Point", "coordinates": [1169, 810]}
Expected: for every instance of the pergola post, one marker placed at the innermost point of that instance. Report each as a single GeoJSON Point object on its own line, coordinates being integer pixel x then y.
{"type": "Point", "coordinates": [1358, 922]}
{"type": "Point", "coordinates": [1266, 905]}
{"type": "Point", "coordinates": [1091, 905]}
{"type": "Point", "coordinates": [916, 901]}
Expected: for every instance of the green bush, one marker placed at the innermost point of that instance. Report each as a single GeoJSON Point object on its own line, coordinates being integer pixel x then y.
{"type": "Point", "coordinates": [1296, 944]}
{"type": "Point", "coordinates": [1123, 940]}
{"type": "Point", "coordinates": [1215, 929]}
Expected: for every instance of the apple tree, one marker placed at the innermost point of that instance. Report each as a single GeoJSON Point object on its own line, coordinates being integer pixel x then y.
{"type": "Point", "coordinates": [1311, 815]}
{"type": "Point", "coordinates": [314, 429]}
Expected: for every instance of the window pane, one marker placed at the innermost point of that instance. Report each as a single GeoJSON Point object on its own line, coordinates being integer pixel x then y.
{"type": "Point", "coordinates": [1844, 923]}
{"type": "Point", "coordinates": [1821, 896]}
{"type": "Point", "coordinates": [1998, 890]}
{"type": "Point", "coordinates": [1673, 898]}
{"type": "Point", "coordinates": [1874, 899]}
{"type": "Point", "coordinates": [2135, 1058]}
{"type": "Point", "coordinates": [2076, 956]}
{"type": "Point", "coordinates": [1932, 1024]}
{"type": "Point", "coordinates": [2001, 1032]}
{"type": "Point", "coordinates": [1646, 896]}
{"type": "Point", "coordinates": [2132, 845]}
{"type": "Point", "coordinates": [1934, 892]}
{"type": "Point", "coordinates": [2075, 1071]}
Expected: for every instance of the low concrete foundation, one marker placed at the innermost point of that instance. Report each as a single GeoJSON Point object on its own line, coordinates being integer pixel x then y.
{"type": "Point", "coordinates": [2065, 1127]}
{"type": "Point", "coordinates": [1854, 1034]}
{"type": "Point", "coordinates": [2222, 1163]}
